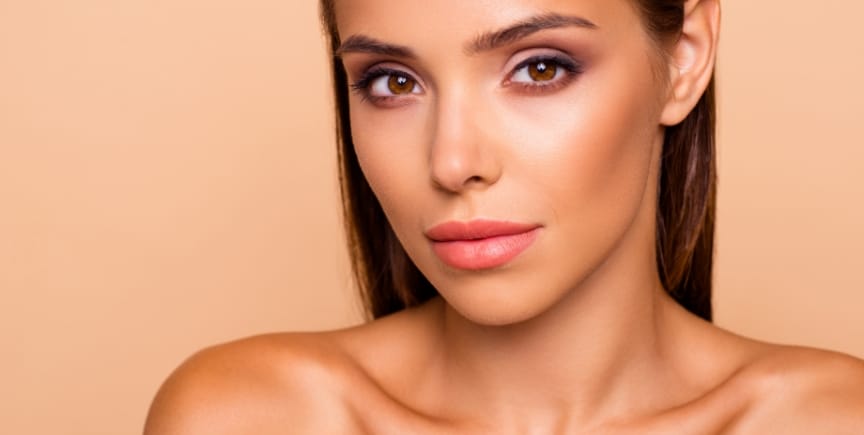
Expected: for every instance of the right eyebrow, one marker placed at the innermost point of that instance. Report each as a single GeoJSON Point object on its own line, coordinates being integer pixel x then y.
{"type": "Point", "coordinates": [366, 44]}
{"type": "Point", "coordinates": [525, 27]}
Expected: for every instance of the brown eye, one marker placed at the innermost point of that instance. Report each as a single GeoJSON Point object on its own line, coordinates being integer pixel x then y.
{"type": "Point", "coordinates": [399, 84]}
{"type": "Point", "coordinates": [387, 84]}
{"type": "Point", "coordinates": [542, 71]}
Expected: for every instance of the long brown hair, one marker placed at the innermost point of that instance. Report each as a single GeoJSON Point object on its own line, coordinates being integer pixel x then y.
{"type": "Point", "coordinates": [389, 281]}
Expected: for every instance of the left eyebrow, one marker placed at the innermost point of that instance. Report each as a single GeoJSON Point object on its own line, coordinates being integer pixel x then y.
{"type": "Point", "coordinates": [508, 35]}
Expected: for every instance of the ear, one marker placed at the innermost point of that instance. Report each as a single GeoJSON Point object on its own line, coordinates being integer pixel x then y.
{"type": "Point", "coordinates": [691, 64]}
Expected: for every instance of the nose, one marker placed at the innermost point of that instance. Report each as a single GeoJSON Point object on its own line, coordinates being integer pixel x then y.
{"type": "Point", "coordinates": [462, 155]}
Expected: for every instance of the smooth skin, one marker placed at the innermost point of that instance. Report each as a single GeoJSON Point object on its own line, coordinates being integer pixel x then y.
{"type": "Point", "coordinates": [575, 335]}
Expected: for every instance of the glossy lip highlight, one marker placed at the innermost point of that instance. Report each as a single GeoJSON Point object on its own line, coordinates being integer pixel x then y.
{"type": "Point", "coordinates": [480, 244]}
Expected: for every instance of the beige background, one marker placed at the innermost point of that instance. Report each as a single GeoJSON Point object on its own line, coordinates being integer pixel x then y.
{"type": "Point", "coordinates": [168, 180]}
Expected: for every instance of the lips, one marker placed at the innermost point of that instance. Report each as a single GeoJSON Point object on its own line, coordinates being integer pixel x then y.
{"type": "Point", "coordinates": [480, 244]}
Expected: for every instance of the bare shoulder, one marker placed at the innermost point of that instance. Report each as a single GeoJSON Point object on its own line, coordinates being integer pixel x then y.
{"type": "Point", "coordinates": [803, 390]}
{"type": "Point", "coordinates": [267, 384]}
{"type": "Point", "coordinates": [340, 381]}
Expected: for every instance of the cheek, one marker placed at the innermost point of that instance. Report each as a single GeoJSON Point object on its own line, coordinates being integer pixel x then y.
{"type": "Point", "coordinates": [590, 155]}
{"type": "Point", "coordinates": [387, 144]}
{"type": "Point", "coordinates": [588, 159]}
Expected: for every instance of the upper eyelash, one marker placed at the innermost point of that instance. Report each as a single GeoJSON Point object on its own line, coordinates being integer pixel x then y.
{"type": "Point", "coordinates": [569, 65]}
{"type": "Point", "coordinates": [372, 74]}
{"type": "Point", "coordinates": [572, 67]}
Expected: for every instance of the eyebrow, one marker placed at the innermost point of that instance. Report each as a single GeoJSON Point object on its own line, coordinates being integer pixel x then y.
{"type": "Point", "coordinates": [523, 28]}
{"type": "Point", "coordinates": [367, 44]}
{"type": "Point", "coordinates": [484, 42]}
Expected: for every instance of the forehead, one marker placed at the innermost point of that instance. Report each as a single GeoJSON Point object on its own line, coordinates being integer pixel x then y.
{"type": "Point", "coordinates": [440, 21]}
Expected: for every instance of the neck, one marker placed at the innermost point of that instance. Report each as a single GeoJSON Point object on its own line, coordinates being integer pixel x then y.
{"type": "Point", "coordinates": [613, 347]}
{"type": "Point", "coordinates": [600, 353]}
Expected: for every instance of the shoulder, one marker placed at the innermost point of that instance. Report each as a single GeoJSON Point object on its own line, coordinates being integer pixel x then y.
{"type": "Point", "coordinates": [260, 385]}
{"type": "Point", "coordinates": [322, 382]}
{"type": "Point", "coordinates": [803, 390]}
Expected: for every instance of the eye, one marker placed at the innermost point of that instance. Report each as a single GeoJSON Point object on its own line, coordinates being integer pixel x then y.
{"type": "Point", "coordinates": [394, 84]}
{"type": "Point", "coordinates": [539, 71]}
{"type": "Point", "coordinates": [381, 83]}
{"type": "Point", "coordinates": [543, 72]}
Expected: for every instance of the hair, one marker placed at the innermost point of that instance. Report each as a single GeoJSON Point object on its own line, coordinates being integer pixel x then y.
{"type": "Point", "coordinates": [389, 281]}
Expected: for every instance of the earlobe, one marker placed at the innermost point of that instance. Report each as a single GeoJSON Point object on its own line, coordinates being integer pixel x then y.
{"type": "Point", "coordinates": [691, 63]}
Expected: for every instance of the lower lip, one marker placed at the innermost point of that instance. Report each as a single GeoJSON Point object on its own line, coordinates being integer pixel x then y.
{"type": "Point", "coordinates": [484, 253]}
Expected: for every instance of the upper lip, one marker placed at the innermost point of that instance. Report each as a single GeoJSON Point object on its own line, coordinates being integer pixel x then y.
{"type": "Point", "coordinates": [476, 229]}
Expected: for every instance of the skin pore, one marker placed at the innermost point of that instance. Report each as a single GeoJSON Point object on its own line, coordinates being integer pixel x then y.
{"type": "Point", "coordinates": [549, 113]}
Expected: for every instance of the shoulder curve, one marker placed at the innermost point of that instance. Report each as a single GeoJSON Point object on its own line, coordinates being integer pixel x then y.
{"type": "Point", "coordinates": [808, 367]}
{"type": "Point", "coordinates": [805, 390]}
{"type": "Point", "coordinates": [262, 384]}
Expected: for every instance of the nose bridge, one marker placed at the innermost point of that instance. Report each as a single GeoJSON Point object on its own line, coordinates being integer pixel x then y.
{"type": "Point", "coordinates": [460, 155]}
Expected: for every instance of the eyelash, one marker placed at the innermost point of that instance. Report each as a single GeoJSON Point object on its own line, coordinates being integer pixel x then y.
{"type": "Point", "coordinates": [572, 69]}
{"type": "Point", "coordinates": [362, 84]}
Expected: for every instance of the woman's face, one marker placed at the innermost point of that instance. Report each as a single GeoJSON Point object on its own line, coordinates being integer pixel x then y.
{"type": "Point", "coordinates": [513, 144]}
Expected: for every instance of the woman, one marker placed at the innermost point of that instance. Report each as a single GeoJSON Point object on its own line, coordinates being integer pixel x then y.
{"type": "Point", "coordinates": [529, 191]}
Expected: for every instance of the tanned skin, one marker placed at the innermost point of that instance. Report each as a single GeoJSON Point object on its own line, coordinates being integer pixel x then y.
{"type": "Point", "coordinates": [575, 335]}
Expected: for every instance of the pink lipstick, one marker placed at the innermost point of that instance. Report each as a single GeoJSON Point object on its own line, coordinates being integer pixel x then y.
{"type": "Point", "coordinates": [480, 244]}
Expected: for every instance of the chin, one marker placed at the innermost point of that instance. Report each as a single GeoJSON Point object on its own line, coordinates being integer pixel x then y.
{"type": "Point", "coordinates": [498, 301]}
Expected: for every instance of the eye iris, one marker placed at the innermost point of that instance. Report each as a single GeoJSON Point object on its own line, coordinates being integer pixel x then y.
{"type": "Point", "coordinates": [542, 71]}
{"type": "Point", "coordinates": [400, 84]}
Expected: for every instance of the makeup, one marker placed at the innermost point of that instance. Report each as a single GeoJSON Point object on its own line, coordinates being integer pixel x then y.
{"type": "Point", "coordinates": [480, 244]}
